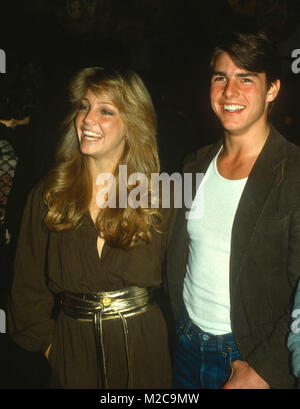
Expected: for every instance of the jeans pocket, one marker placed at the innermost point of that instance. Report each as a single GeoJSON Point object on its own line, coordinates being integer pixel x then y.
{"type": "Point", "coordinates": [234, 355]}
{"type": "Point", "coordinates": [231, 359]}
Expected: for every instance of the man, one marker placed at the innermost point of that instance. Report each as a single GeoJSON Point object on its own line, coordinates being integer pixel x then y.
{"type": "Point", "coordinates": [233, 263]}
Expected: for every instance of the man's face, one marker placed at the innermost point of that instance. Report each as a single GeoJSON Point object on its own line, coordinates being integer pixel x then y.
{"type": "Point", "coordinates": [240, 98]}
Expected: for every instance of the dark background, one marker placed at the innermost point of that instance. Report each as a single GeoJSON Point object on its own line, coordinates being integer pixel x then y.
{"type": "Point", "coordinates": [168, 43]}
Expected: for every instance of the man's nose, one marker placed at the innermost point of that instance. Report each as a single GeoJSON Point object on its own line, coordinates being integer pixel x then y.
{"type": "Point", "coordinates": [230, 89]}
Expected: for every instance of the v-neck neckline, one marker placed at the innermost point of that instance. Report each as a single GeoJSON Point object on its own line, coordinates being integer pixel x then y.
{"type": "Point", "coordinates": [99, 257]}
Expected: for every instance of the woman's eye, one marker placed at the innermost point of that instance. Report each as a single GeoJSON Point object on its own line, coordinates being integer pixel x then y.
{"type": "Point", "coordinates": [83, 107]}
{"type": "Point", "coordinates": [106, 112]}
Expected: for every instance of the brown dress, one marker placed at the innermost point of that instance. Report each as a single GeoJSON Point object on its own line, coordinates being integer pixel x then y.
{"type": "Point", "coordinates": [48, 263]}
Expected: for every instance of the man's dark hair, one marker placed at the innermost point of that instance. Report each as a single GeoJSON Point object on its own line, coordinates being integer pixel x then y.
{"type": "Point", "coordinates": [253, 52]}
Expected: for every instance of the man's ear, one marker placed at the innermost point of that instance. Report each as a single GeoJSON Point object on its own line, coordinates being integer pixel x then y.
{"type": "Point", "coordinates": [273, 90]}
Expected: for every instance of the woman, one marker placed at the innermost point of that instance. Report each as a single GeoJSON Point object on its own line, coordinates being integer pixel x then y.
{"type": "Point", "coordinates": [99, 264]}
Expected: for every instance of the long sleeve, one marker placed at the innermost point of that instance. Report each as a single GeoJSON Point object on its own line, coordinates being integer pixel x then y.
{"type": "Point", "coordinates": [31, 304]}
{"type": "Point", "coordinates": [270, 358]}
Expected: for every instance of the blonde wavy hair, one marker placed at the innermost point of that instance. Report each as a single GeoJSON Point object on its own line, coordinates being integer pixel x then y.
{"type": "Point", "coordinates": [68, 191]}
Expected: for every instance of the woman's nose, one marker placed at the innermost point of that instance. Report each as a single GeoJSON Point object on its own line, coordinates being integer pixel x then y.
{"type": "Point", "coordinates": [89, 117]}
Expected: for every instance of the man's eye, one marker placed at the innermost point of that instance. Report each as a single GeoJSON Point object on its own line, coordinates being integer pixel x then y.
{"type": "Point", "coordinates": [217, 79]}
{"type": "Point", "coordinates": [246, 80]}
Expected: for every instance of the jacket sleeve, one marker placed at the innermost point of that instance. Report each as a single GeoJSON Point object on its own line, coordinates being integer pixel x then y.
{"type": "Point", "coordinates": [271, 358]}
{"type": "Point", "coordinates": [293, 342]}
{"type": "Point", "coordinates": [31, 303]}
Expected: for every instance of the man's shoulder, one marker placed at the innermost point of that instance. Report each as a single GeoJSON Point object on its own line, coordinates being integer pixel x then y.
{"type": "Point", "coordinates": [282, 142]}
{"type": "Point", "coordinates": [292, 167]}
{"type": "Point", "coordinates": [293, 152]}
{"type": "Point", "coordinates": [288, 166]}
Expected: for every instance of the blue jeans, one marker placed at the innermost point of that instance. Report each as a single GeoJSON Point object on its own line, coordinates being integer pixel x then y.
{"type": "Point", "coordinates": [202, 360]}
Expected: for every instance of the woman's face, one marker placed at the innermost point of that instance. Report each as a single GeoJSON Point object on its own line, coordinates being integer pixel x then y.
{"type": "Point", "coordinates": [100, 128]}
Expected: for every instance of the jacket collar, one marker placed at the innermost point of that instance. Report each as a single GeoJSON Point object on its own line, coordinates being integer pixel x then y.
{"type": "Point", "coordinates": [268, 161]}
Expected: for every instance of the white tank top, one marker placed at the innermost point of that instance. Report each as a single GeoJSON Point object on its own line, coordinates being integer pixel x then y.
{"type": "Point", "coordinates": [206, 283]}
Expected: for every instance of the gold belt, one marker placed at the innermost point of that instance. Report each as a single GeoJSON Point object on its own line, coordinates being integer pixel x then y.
{"type": "Point", "coordinates": [106, 305]}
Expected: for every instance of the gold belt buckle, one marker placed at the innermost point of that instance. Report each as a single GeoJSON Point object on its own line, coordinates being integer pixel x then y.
{"type": "Point", "coordinates": [106, 301]}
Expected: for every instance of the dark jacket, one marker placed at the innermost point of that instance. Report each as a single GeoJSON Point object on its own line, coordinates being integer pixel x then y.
{"type": "Point", "coordinates": [264, 259]}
